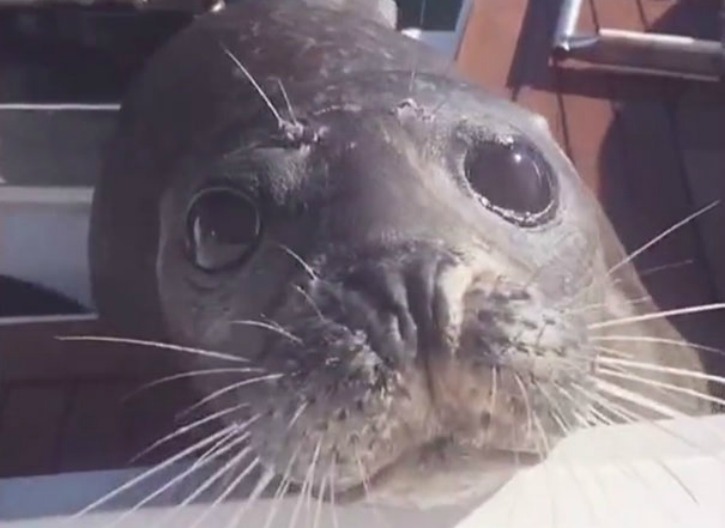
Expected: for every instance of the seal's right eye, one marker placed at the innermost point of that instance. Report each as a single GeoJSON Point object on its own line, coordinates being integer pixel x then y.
{"type": "Point", "coordinates": [512, 178]}
{"type": "Point", "coordinates": [223, 227]}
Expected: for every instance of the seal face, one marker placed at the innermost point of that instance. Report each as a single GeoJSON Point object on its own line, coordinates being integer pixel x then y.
{"type": "Point", "coordinates": [410, 269]}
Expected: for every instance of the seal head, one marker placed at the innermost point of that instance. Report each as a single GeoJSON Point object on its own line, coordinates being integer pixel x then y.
{"type": "Point", "coordinates": [407, 263]}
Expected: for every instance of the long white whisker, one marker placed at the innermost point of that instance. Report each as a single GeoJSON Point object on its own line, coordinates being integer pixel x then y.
{"type": "Point", "coordinates": [229, 388]}
{"type": "Point", "coordinates": [664, 267]}
{"type": "Point", "coordinates": [191, 374]}
{"type": "Point", "coordinates": [527, 405]}
{"type": "Point", "coordinates": [318, 509]}
{"type": "Point", "coordinates": [308, 269]}
{"type": "Point", "coordinates": [413, 72]}
{"type": "Point", "coordinates": [228, 491]}
{"type": "Point", "coordinates": [307, 483]}
{"type": "Point", "coordinates": [333, 507]}
{"type": "Point", "coordinates": [187, 428]}
{"type": "Point", "coordinates": [661, 340]}
{"type": "Point", "coordinates": [607, 351]}
{"type": "Point", "coordinates": [154, 470]}
{"type": "Point", "coordinates": [628, 416]}
{"type": "Point", "coordinates": [659, 237]}
{"type": "Point", "coordinates": [637, 399]}
{"type": "Point", "coordinates": [154, 344]}
{"type": "Point", "coordinates": [658, 315]}
{"type": "Point", "coordinates": [366, 486]}
{"type": "Point", "coordinates": [311, 487]}
{"type": "Point", "coordinates": [215, 452]}
{"type": "Point", "coordinates": [662, 385]}
{"type": "Point", "coordinates": [287, 101]}
{"type": "Point", "coordinates": [257, 87]}
{"type": "Point", "coordinates": [282, 488]}
{"type": "Point", "coordinates": [669, 370]}
{"type": "Point", "coordinates": [269, 326]}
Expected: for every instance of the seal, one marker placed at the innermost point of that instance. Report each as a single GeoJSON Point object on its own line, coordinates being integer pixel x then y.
{"type": "Point", "coordinates": [401, 283]}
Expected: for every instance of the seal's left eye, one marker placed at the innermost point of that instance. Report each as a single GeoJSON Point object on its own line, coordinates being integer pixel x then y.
{"type": "Point", "coordinates": [223, 227]}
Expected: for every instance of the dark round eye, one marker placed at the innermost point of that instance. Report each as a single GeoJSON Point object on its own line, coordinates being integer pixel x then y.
{"type": "Point", "coordinates": [512, 178]}
{"type": "Point", "coordinates": [222, 228]}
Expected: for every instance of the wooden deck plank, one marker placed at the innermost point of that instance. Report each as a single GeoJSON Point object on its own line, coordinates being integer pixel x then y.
{"type": "Point", "coordinates": [31, 422]}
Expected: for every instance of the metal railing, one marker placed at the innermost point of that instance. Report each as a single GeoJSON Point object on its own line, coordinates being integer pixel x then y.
{"type": "Point", "coordinates": [652, 53]}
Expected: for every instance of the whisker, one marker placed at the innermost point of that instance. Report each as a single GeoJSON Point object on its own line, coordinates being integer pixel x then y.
{"type": "Point", "coordinates": [637, 399]}
{"type": "Point", "coordinates": [154, 344]}
{"type": "Point", "coordinates": [623, 414]}
{"type": "Point", "coordinates": [269, 326]}
{"type": "Point", "coordinates": [287, 101]}
{"type": "Point", "coordinates": [492, 399]}
{"type": "Point", "coordinates": [659, 237]}
{"type": "Point", "coordinates": [216, 451]}
{"type": "Point", "coordinates": [661, 340]}
{"type": "Point", "coordinates": [191, 374]}
{"type": "Point", "coordinates": [227, 389]}
{"type": "Point", "coordinates": [662, 385]}
{"type": "Point", "coordinates": [366, 487]}
{"type": "Point", "coordinates": [257, 87]}
{"type": "Point", "coordinates": [630, 416]}
{"type": "Point", "coordinates": [187, 428]}
{"type": "Point", "coordinates": [310, 488]}
{"type": "Point", "coordinates": [283, 487]}
{"type": "Point", "coordinates": [308, 269]}
{"type": "Point", "coordinates": [311, 302]}
{"type": "Point", "coordinates": [658, 315]}
{"type": "Point", "coordinates": [318, 509]}
{"type": "Point", "coordinates": [333, 506]}
{"type": "Point", "coordinates": [593, 306]}
{"type": "Point", "coordinates": [527, 405]}
{"type": "Point", "coordinates": [612, 352]}
{"type": "Point", "coordinates": [229, 489]}
{"type": "Point", "coordinates": [265, 480]}
{"type": "Point", "coordinates": [669, 370]}
{"type": "Point", "coordinates": [421, 21]}
{"type": "Point", "coordinates": [154, 470]}
{"type": "Point", "coordinates": [665, 267]}
{"type": "Point", "coordinates": [307, 483]}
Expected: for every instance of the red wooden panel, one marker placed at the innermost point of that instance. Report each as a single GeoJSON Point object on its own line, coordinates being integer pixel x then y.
{"type": "Point", "coordinates": [489, 43]}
